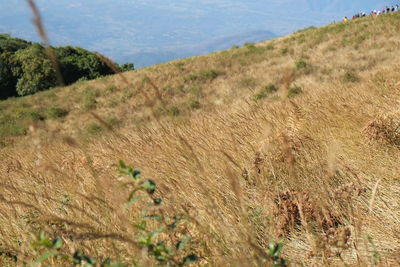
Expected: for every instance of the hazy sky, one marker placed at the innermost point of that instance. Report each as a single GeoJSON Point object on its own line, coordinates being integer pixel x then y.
{"type": "Point", "coordinates": [123, 29]}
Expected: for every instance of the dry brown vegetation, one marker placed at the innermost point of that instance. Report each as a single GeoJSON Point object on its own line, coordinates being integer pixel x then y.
{"type": "Point", "coordinates": [316, 169]}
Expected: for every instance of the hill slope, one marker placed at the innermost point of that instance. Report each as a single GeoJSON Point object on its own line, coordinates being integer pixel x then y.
{"type": "Point", "coordinates": [293, 140]}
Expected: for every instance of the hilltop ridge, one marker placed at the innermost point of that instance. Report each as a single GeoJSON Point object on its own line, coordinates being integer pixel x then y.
{"type": "Point", "coordinates": [293, 140]}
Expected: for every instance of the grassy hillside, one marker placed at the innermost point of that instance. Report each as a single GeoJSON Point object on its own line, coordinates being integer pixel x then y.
{"type": "Point", "coordinates": [293, 141]}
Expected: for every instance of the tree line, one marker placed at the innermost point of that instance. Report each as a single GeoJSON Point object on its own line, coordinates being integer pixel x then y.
{"type": "Point", "coordinates": [25, 68]}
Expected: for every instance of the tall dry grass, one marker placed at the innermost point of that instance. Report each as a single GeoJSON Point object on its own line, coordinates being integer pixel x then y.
{"type": "Point", "coordinates": [304, 171]}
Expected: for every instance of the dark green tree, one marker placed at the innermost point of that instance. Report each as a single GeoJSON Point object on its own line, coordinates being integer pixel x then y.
{"type": "Point", "coordinates": [35, 71]}
{"type": "Point", "coordinates": [77, 63]}
{"type": "Point", "coordinates": [9, 44]}
{"type": "Point", "coordinates": [26, 69]}
{"type": "Point", "coordinates": [127, 67]}
{"type": "Point", "coordinates": [8, 80]}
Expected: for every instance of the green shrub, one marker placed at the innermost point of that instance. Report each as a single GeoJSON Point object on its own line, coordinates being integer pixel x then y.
{"type": "Point", "coordinates": [113, 103]}
{"type": "Point", "coordinates": [126, 96]}
{"type": "Point", "coordinates": [89, 99]}
{"type": "Point", "coordinates": [190, 78]}
{"type": "Point", "coordinates": [203, 75]}
{"type": "Point", "coordinates": [89, 103]}
{"type": "Point", "coordinates": [181, 88]}
{"type": "Point", "coordinates": [194, 104]}
{"type": "Point", "coordinates": [162, 110]}
{"type": "Point", "coordinates": [127, 67]}
{"type": "Point", "coordinates": [174, 111]}
{"type": "Point", "coordinates": [196, 91]}
{"type": "Point", "coordinates": [267, 90]}
{"type": "Point", "coordinates": [180, 66]}
{"type": "Point", "coordinates": [294, 90]}
{"type": "Point", "coordinates": [248, 82]}
{"type": "Point", "coordinates": [112, 121]}
{"type": "Point", "coordinates": [36, 116]}
{"type": "Point", "coordinates": [301, 39]}
{"type": "Point", "coordinates": [301, 64]}
{"type": "Point", "coordinates": [284, 51]}
{"type": "Point", "coordinates": [94, 129]}
{"type": "Point", "coordinates": [250, 46]}
{"type": "Point", "coordinates": [350, 77]}
{"type": "Point", "coordinates": [260, 95]}
{"type": "Point", "coordinates": [12, 129]}
{"type": "Point", "coordinates": [270, 88]}
{"type": "Point", "coordinates": [270, 47]}
{"type": "Point", "coordinates": [209, 74]}
{"type": "Point", "coordinates": [55, 112]}
{"type": "Point", "coordinates": [111, 89]}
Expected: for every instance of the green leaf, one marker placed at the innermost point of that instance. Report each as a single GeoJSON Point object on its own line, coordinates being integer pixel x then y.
{"type": "Point", "coordinates": [190, 259]}
{"type": "Point", "coordinates": [162, 252]}
{"type": "Point", "coordinates": [158, 218]}
{"type": "Point", "coordinates": [57, 243]}
{"type": "Point", "coordinates": [144, 241]}
{"type": "Point", "coordinates": [89, 260]}
{"type": "Point", "coordinates": [43, 257]}
{"type": "Point", "coordinates": [131, 195]}
{"type": "Point", "coordinates": [149, 239]}
{"type": "Point", "coordinates": [64, 256]}
{"type": "Point", "coordinates": [135, 199]}
{"type": "Point", "coordinates": [157, 201]}
{"type": "Point", "coordinates": [275, 249]}
{"type": "Point", "coordinates": [280, 263]}
{"type": "Point", "coordinates": [42, 235]}
{"type": "Point", "coordinates": [136, 174]}
{"type": "Point", "coordinates": [149, 186]}
{"type": "Point", "coordinates": [141, 226]}
{"type": "Point", "coordinates": [128, 170]}
{"type": "Point", "coordinates": [77, 257]}
{"type": "Point", "coordinates": [126, 184]}
{"type": "Point", "coordinates": [153, 235]}
{"type": "Point", "coordinates": [47, 243]}
{"type": "Point", "coordinates": [182, 243]}
{"type": "Point", "coordinates": [177, 220]}
{"type": "Point", "coordinates": [278, 249]}
{"type": "Point", "coordinates": [122, 164]}
{"type": "Point", "coordinates": [106, 262]}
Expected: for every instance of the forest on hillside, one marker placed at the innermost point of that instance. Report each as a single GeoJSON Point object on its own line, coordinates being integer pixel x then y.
{"type": "Point", "coordinates": [26, 69]}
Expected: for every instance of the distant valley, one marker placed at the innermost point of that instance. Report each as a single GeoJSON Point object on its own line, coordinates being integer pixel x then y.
{"type": "Point", "coordinates": [155, 56]}
{"type": "Point", "coordinates": [155, 31]}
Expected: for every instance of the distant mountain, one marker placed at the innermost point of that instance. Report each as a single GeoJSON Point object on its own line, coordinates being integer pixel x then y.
{"type": "Point", "coordinates": [159, 56]}
{"type": "Point", "coordinates": [346, 6]}
{"type": "Point", "coordinates": [158, 30]}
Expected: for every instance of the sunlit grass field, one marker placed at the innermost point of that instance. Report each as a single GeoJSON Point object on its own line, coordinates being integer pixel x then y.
{"type": "Point", "coordinates": [293, 141]}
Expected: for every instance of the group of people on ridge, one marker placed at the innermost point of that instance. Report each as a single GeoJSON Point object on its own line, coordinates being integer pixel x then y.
{"type": "Point", "coordinates": [387, 9]}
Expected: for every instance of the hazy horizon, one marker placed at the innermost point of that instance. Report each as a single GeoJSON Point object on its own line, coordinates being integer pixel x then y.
{"type": "Point", "coordinates": [151, 31]}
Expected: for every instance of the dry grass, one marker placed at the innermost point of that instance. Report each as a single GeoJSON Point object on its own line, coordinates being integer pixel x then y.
{"type": "Point", "coordinates": [299, 170]}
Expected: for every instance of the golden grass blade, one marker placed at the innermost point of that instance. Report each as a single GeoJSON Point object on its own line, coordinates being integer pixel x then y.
{"type": "Point", "coordinates": [374, 192]}
{"type": "Point", "coordinates": [37, 21]}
